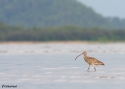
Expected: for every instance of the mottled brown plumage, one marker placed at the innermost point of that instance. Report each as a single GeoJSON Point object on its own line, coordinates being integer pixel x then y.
{"type": "Point", "coordinates": [90, 60]}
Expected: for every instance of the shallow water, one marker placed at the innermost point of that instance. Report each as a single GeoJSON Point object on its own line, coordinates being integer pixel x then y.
{"type": "Point", "coordinates": [53, 66]}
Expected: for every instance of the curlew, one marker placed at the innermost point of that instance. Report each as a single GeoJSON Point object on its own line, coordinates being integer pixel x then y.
{"type": "Point", "coordinates": [90, 60]}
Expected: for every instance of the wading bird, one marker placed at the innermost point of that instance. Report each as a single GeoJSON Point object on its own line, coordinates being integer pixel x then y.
{"type": "Point", "coordinates": [90, 60]}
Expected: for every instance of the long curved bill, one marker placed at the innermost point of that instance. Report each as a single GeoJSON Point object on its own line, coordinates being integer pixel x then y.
{"type": "Point", "coordinates": [78, 56]}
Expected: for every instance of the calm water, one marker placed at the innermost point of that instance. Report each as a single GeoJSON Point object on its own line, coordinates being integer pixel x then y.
{"type": "Point", "coordinates": [53, 66]}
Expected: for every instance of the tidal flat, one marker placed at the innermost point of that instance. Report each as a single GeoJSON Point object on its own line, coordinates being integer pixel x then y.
{"type": "Point", "coordinates": [52, 65]}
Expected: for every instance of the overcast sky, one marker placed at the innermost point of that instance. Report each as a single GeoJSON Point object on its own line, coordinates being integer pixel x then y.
{"type": "Point", "coordinates": [112, 8]}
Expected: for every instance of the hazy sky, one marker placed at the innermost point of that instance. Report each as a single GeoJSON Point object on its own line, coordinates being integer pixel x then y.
{"type": "Point", "coordinates": [112, 8]}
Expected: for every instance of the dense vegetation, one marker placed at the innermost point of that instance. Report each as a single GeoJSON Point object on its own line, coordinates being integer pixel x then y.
{"type": "Point", "coordinates": [53, 13]}
{"type": "Point", "coordinates": [11, 33]}
{"type": "Point", "coordinates": [53, 20]}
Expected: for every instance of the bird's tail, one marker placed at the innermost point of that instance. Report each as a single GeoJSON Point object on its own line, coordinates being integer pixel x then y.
{"type": "Point", "coordinates": [99, 63]}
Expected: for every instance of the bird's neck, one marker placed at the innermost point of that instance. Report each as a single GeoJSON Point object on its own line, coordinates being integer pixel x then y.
{"type": "Point", "coordinates": [85, 56]}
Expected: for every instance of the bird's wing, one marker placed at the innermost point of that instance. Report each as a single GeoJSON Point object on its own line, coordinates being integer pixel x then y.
{"type": "Point", "coordinates": [96, 62]}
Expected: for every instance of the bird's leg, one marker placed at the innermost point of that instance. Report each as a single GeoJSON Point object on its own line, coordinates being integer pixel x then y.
{"type": "Point", "coordinates": [94, 68]}
{"type": "Point", "coordinates": [88, 67]}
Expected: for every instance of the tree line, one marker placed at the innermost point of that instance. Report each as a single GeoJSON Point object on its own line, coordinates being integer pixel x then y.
{"type": "Point", "coordinates": [65, 33]}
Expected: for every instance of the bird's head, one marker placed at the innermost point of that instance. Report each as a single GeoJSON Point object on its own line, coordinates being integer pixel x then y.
{"type": "Point", "coordinates": [85, 53]}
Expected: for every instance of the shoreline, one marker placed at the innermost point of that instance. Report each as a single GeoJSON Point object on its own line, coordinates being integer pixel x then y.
{"type": "Point", "coordinates": [57, 42]}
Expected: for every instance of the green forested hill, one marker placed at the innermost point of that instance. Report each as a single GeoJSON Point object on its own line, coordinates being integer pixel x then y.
{"type": "Point", "coordinates": [52, 13]}
{"type": "Point", "coordinates": [117, 23]}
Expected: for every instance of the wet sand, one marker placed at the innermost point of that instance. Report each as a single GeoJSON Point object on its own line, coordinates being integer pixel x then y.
{"type": "Point", "coordinates": [46, 65]}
